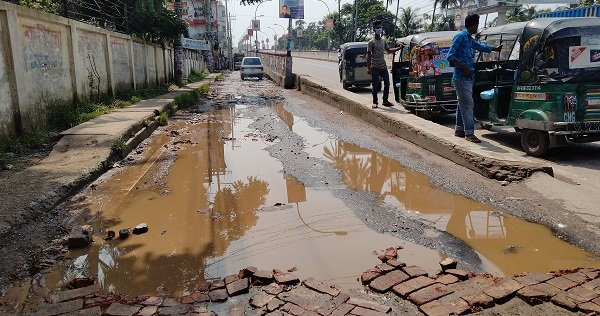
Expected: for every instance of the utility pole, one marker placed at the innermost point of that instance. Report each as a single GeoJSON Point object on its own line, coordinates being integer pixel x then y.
{"type": "Point", "coordinates": [354, 21]}
{"type": "Point", "coordinates": [229, 36]}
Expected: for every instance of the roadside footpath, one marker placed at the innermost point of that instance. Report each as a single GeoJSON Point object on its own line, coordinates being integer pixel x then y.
{"type": "Point", "coordinates": [390, 288]}
{"type": "Point", "coordinates": [83, 153]}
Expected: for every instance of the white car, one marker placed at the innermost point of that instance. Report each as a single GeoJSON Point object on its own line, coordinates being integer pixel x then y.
{"type": "Point", "coordinates": [251, 67]}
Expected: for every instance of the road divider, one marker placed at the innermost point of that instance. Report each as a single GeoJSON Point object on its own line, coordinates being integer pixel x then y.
{"type": "Point", "coordinates": [485, 158]}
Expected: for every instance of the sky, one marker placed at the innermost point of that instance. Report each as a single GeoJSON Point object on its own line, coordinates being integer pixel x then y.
{"type": "Point", "coordinates": [314, 10]}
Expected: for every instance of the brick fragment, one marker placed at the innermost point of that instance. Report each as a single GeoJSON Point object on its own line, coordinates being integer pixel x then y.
{"type": "Point", "coordinates": [218, 295]}
{"type": "Point", "coordinates": [332, 305]}
{"type": "Point", "coordinates": [273, 289]}
{"type": "Point", "coordinates": [414, 271]}
{"type": "Point", "coordinates": [537, 293]}
{"type": "Point", "coordinates": [92, 311]}
{"type": "Point", "coordinates": [216, 285]}
{"type": "Point", "coordinates": [247, 272]}
{"type": "Point", "coordinates": [407, 287]}
{"type": "Point", "coordinates": [589, 307]}
{"type": "Point", "coordinates": [59, 308]}
{"type": "Point", "coordinates": [153, 301]}
{"type": "Point", "coordinates": [563, 300]}
{"type": "Point", "coordinates": [369, 304]}
{"type": "Point", "coordinates": [231, 278]}
{"type": "Point", "coordinates": [396, 264]}
{"type": "Point", "coordinates": [384, 267]}
{"type": "Point", "coordinates": [590, 273]}
{"type": "Point", "coordinates": [118, 309]}
{"type": "Point", "coordinates": [292, 309]}
{"type": "Point", "coordinates": [448, 263]}
{"type": "Point", "coordinates": [593, 285]}
{"type": "Point", "coordinates": [478, 300]}
{"type": "Point", "coordinates": [576, 277]}
{"type": "Point", "coordinates": [581, 294]}
{"type": "Point", "coordinates": [461, 274]}
{"type": "Point", "coordinates": [435, 308]}
{"type": "Point", "coordinates": [200, 297]}
{"type": "Point", "coordinates": [238, 287]}
{"type": "Point", "coordinates": [562, 283]}
{"type": "Point", "coordinates": [447, 279]}
{"type": "Point", "coordinates": [387, 281]}
{"type": "Point", "coordinates": [503, 289]}
{"type": "Point", "coordinates": [455, 304]}
{"type": "Point", "coordinates": [285, 278]}
{"type": "Point", "coordinates": [174, 310]}
{"type": "Point", "coordinates": [532, 278]}
{"type": "Point", "coordinates": [319, 286]}
{"type": "Point", "coordinates": [148, 311]}
{"type": "Point", "coordinates": [344, 309]}
{"type": "Point", "coordinates": [73, 294]}
{"type": "Point", "coordinates": [260, 300]}
{"type": "Point", "coordinates": [369, 276]}
{"type": "Point", "coordinates": [361, 311]}
{"type": "Point", "coordinates": [429, 294]}
{"type": "Point", "coordinates": [274, 304]}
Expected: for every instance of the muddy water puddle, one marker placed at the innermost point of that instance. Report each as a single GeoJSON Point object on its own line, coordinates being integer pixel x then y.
{"type": "Point", "coordinates": [506, 244]}
{"type": "Point", "coordinates": [224, 204]}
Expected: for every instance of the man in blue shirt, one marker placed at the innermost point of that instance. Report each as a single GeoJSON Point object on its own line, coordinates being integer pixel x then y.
{"type": "Point", "coordinates": [460, 56]}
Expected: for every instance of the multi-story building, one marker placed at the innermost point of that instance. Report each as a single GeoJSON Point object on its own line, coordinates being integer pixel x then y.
{"type": "Point", "coordinates": [207, 20]}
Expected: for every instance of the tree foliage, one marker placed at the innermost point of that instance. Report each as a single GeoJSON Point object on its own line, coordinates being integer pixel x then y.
{"type": "Point", "coordinates": [147, 19]}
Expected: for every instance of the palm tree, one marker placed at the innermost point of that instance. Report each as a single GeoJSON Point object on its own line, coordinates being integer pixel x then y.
{"type": "Point", "coordinates": [435, 3]}
{"type": "Point", "coordinates": [387, 3]}
{"type": "Point", "coordinates": [410, 23]}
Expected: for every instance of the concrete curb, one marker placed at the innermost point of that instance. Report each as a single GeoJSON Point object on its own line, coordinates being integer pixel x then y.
{"type": "Point", "coordinates": [488, 166]}
{"type": "Point", "coordinates": [134, 135]}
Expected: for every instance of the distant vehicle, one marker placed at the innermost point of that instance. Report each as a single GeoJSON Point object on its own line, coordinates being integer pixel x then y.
{"type": "Point", "coordinates": [352, 63]}
{"type": "Point", "coordinates": [237, 60]}
{"type": "Point", "coordinates": [422, 75]}
{"type": "Point", "coordinates": [251, 67]}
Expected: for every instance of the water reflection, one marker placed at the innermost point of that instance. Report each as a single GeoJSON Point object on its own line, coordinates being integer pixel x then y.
{"type": "Point", "coordinates": [195, 215]}
{"type": "Point", "coordinates": [513, 245]}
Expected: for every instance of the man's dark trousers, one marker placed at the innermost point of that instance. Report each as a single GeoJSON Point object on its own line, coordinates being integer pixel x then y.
{"type": "Point", "coordinates": [376, 75]}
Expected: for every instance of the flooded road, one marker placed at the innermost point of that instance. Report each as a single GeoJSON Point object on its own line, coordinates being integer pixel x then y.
{"type": "Point", "coordinates": [216, 200]}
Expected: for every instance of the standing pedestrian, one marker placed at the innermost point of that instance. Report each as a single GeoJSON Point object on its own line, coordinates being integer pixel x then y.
{"type": "Point", "coordinates": [376, 65]}
{"type": "Point", "coordinates": [460, 56]}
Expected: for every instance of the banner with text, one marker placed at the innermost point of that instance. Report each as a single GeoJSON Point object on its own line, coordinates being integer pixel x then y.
{"type": "Point", "coordinates": [293, 9]}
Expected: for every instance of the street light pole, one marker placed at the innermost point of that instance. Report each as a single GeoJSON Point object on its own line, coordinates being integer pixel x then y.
{"type": "Point", "coordinates": [276, 37]}
{"type": "Point", "coordinates": [256, 38]}
{"type": "Point", "coordinates": [328, 33]}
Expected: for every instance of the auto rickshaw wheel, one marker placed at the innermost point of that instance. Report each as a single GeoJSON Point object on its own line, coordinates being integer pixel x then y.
{"type": "Point", "coordinates": [535, 142]}
{"type": "Point", "coordinates": [346, 86]}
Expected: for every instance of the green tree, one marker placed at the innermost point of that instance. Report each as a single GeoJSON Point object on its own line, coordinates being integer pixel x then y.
{"type": "Point", "coordinates": [49, 6]}
{"type": "Point", "coordinates": [584, 3]}
{"type": "Point", "coordinates": [521, 14]}
{"type": "Point", "coordinates": [408, 22]}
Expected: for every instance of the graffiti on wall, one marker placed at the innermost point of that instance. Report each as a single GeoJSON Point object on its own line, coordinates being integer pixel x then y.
{"type": "Point", "coordinates": [42, 49]}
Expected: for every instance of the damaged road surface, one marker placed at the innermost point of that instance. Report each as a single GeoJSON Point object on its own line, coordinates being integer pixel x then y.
{"type": "Point", "coordinates": [257, 176]}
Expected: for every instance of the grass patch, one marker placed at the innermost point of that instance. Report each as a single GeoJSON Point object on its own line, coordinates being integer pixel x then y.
{"type": "Point", "coordinates": [163, 119]}
{"type": "Point", "coordinates": [196, 76]}
{"type": "Point", "coordinates": [12, 146]}
{"type": "Point", "coordinates": [219, 77]}
{"type": "Point", "coordinates": [62, 116]}
{"type": "Point", "coordinates": [188, 99]}
{"type": "Point", "coordinates": [119, 146]}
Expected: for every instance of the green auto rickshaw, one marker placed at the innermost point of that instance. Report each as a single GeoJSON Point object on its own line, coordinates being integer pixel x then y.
{"type": "Point", "coordinates": [422, 75]}
{"type": "Point", "coordinates": [545, 82]}
{"type": "Point", "coordinates": [352, 63]}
